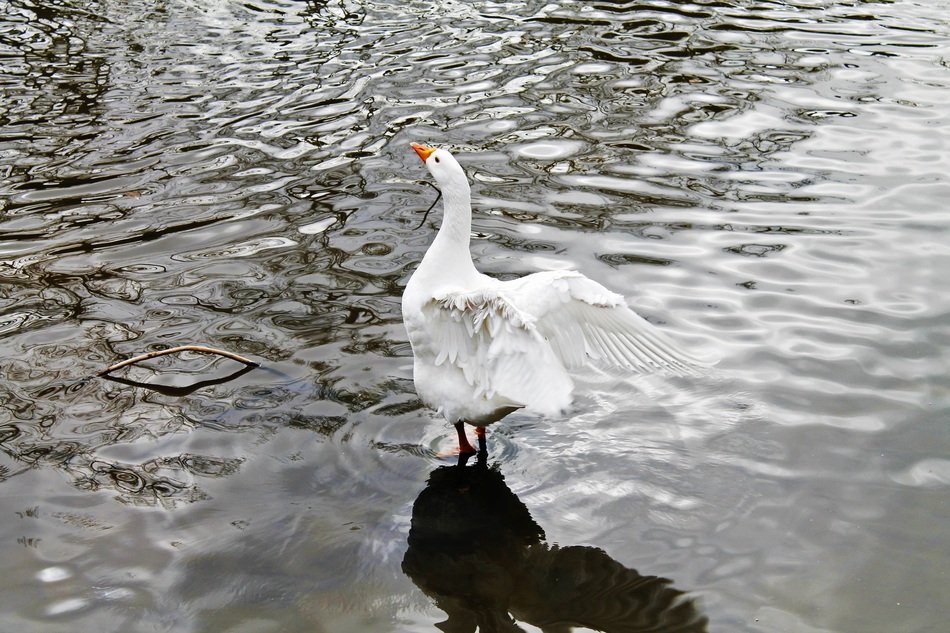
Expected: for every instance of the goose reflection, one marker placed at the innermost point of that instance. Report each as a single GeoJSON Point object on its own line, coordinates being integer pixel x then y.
{"type": "Point", "coordinates": [476, 551]}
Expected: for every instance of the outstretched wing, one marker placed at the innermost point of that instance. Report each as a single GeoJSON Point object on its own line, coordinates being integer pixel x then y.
{"type": "Point", "coordinates": [498, 348]}
{"type": "Point", "coordinates": [584, 322]}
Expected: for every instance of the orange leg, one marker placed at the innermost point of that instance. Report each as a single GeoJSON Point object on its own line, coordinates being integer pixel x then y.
{"type": "Point", "coordinates": [464, 447]}
{"type": "Point", "coordinates": [480, 432]}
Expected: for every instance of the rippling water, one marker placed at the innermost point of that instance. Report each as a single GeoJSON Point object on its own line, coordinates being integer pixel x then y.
{"type": "Point", "coordinates": [767, 181]}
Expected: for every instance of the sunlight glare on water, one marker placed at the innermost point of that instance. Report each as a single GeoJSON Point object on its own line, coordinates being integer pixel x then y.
{"type": "Point", "coordinates": [767, 182]}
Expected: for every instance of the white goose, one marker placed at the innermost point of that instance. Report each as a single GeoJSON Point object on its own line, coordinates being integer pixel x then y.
{"type": "Point", "coordinates": [483, 347]}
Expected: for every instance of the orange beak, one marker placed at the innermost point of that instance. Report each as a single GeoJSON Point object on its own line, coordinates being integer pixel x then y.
{"type": "Point", "coordinates": [422, 150]}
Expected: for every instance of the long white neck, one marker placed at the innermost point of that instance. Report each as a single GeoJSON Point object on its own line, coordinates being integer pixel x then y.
{"type": "Point", "coordinates": [449, 255]}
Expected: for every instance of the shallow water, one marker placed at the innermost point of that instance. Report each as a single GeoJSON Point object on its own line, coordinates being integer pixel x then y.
{"type": "Point", "coordinates": [765, 181]}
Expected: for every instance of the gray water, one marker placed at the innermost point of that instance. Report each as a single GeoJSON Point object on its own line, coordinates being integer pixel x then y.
{"type": "Point", "coordinates": [767, 182]}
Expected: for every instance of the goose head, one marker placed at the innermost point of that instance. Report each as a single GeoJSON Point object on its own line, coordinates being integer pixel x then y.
{"type": "Point", "coordinates": [442, 165]}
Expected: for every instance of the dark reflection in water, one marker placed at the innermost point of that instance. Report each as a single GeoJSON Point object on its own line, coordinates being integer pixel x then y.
{"type": "Point", "coordinates": [180, 390]}
{"type": "Point", "coordinates": [476, 551]}
{"type": "Point", "coordinates": [163, 480]}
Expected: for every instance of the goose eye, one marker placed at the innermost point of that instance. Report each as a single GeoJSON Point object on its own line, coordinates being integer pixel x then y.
{"type": "Point", "coordinates": [436, 159]}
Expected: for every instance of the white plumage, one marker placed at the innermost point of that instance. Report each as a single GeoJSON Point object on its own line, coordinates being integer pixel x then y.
{"type": "Point", "coordinates": [483, 347]}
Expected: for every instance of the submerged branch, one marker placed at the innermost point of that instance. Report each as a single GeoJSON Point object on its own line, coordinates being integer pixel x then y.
{"type": "Point", "coordinates": [174, 350]}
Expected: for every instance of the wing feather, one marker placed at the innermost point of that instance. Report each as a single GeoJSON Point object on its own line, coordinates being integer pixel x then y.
{"type": "Point", "coordinates": [513, 341]}
{"type": "Point", "coordinates": [497, 348]}
{"type": "Point", "coordinates": [584, 321]}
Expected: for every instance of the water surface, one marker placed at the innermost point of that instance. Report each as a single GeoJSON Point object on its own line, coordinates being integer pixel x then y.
{"type": "Point", "coordinates": [765, 181]}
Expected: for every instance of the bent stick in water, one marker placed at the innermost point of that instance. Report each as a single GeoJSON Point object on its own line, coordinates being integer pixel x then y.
{"type": "Point", "coordinates": [174, 350]}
